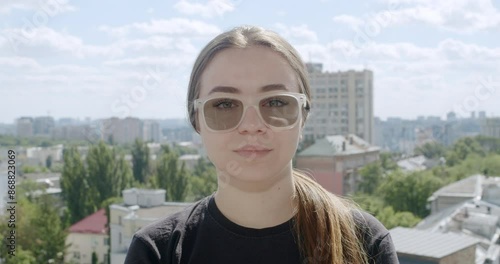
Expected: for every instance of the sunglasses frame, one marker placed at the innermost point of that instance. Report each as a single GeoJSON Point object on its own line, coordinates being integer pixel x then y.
{"type": "Point", "coordinates": [255, 100]}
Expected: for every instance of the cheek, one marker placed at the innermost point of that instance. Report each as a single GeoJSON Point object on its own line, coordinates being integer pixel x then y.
{"type": "Point", "coordinates": [215, 146]}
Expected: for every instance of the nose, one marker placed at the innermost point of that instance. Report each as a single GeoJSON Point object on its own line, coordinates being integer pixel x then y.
{"type": "Point", "coordinates": [251, 121]}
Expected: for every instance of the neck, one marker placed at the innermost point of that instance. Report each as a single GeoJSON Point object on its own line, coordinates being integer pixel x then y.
{"type": "Point", "coordinates": [258, 204]}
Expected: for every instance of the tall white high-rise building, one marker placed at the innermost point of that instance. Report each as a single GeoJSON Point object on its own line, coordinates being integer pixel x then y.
{"type": "Point", "coordinates": [342, 103]}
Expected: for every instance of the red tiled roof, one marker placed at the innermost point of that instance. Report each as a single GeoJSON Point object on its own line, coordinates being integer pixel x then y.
{"type": "Point", "coordinates": [93, 224]}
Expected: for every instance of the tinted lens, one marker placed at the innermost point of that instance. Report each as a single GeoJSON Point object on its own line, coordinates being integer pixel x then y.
{"type": "Point", "coordinates": [223, 113]}
{"type": "Point", "coordinates": [280, 111]}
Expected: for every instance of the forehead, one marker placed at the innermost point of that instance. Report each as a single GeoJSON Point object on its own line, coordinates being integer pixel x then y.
{"type": "Point", "coordinates": [250, 70]}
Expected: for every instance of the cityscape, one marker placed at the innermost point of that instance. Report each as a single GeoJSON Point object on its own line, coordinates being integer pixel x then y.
{"type": "Point", "coordinates": [95, 143]}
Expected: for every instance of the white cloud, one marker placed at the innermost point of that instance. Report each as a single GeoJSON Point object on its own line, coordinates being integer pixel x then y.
{"type": "Point", "coordinates": [170, 61]}
{"type": "Point", "coordinates": [46, 7]}
{"type": "Point", "coordinates": [19, 62]}
{"type": "Point", "coordinates": [174, 26]}
{"type": "Point", "coordinates": [211, 8]}
{"type": "Point", "coordinates": [43, 40]}
{"type": "Point", "coordinates": [351, 21]}
{"type": "Point", "coordinates": [297, 34]}
{"type": "Point", "coordinates": [463, 16]}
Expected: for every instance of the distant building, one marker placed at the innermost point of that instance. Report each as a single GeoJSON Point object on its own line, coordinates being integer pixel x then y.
{"type": "Point", "coordinates": [342, 103]}
{"type": "Point", "coordinates": [477, 187]}
{"type": "Point", "coordinates": [43, 126]}
{"type": "Point", "coordinates": [413, 164]}
{"type": "Point", "coordinates": [490, 127]}
{"type": "Point", "coordinates": [190, 160]}
{"type": "Point", "coordinates": [71, 132]}
{"type": "Point", "coordinates": [7, 129]}
{"type": "Point", "coordinates": [151, 131]}
{"type": "Point", "coordinates": [334, 161]}
{"type": "Point", "coordinates": [88, 236]}
{"type": "Point", "coordinates": [473, 218]}
{"type": "Point", "coordinates": [463, 226]}
{"type": "Point", "coordinates": [127, 130]}
{"type": "Point", "coordinates": [451, 116]}
{"type": "Point", "coordinates": [24, 127]}
{"type": "Point", "coordinates": [140, 207]}
{"type": "Point", "coordinates": [419, 246]}
{"type": "Point", "coordinates": [37, 156]}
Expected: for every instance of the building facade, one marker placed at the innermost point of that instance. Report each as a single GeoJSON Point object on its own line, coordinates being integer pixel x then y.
{"type": "Point", "coordinates": [125, 131]}
{"type": "Point", "coordinates": [342, 103]}
{"type": "Point", "coordinates": [140, 207]}
{"type": "Point", "coordinates": [334, 162]}
{"type": "Point", "coordinates": [87, 237]}
{"type": "Point", "coordinates": [490, 127]}
{"type": "Point", "coordinates": [24, 127]}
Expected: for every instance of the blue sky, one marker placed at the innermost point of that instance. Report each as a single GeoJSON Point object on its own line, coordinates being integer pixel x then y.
{"type": "Point", "coordinates": [132, 58]}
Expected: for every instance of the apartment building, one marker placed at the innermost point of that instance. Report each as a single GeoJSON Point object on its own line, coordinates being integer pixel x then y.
{"type": "Point", "coordinates": [24, 127]}
{"type": "Point", "coordinates": [127, 130]}
{"type": "Point", "coordinates": [490, 127]}
{"type": "Point", "coordinates": [334, 161]}
{"type": "Point", "coordinates": [87, 237]}
{"type": "Point", "coordinates": [140, 207]}
{"type": "Point", "coordinates": [342, 103]}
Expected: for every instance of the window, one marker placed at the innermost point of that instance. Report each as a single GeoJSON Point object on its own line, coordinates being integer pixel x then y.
{"type": "Point", "coordinates": [106, 241]}
{"type": "Point", "coordinates": [76, 255]}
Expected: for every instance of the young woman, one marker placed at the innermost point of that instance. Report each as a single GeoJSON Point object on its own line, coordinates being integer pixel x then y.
{"type": "Point", "coordinates": [249, 98]}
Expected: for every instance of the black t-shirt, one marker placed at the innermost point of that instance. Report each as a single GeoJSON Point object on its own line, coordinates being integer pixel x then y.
{"type": "Point", "coordinates": [202, 234]}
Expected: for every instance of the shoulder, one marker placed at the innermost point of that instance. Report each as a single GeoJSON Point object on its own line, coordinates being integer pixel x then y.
{"type": "Point", "coordinates": [376, 238]}
{"type": "Point", "coordinates": [165, 232]}
{"type": "Point", "coordinates": [163, 227]}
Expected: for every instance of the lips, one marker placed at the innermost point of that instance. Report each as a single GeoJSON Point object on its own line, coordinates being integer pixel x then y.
{"type": "Point", "coordinates": [253, 151]}
{"type": "Point", "coordinates": [253, 148]}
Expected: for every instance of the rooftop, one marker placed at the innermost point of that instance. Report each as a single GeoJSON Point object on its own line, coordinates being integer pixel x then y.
{"type": "Point", "coordinates": [333, 145]}
{"type": "Point", "coordinates": [429, 244]}
{"type": "Point", "coordinates": [92, 224]}
{"type": "Point", "coordinates": [413, 164]}
{"type": "Point", "coordinates": [468, 187]}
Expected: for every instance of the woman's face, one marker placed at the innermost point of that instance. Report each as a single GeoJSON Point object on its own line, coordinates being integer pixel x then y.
{"type": "Point", "coordinates": [246, 71]}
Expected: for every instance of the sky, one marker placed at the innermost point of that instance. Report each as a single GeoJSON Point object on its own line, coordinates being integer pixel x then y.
{"type": "Point", "coordinates": [100, 59]}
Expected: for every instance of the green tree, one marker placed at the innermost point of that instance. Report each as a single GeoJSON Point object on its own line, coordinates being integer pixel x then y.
{"type": "Point", "coordinates": [171, 178]}
{"type": "Point", "coordinates": [100, 167]}
{"type": "Point", "coordinates": [489, 144]}
{"type": "Point", "coordinates": [122, 175]}
{"type": "Point", "coordinates": [94, 258]}
{"type": "Point", "coordinates": [40, 235]}
{"type": "Point", "coordinates": [474, 164]}
{"type": "Point", "coordinates": [140, 161]}
{"type": "Point", "coordinates": [385, 214]}
{"type": "Point", "coordinates": [203, 181]}
{"type": "Point", "coordinates": [409, 191]}
{"type": "Point", "coordinates": [47, 232]}
{"type": "Point", "coordinates": [108, 174]}
{"type": "Point", "coordinates": [48, 162]}
{"type": "Point", "coordinates": [180, 185]}
{"type": "Point", "coordinates": [371, 175]}
{"type": "Point", "coordinates": [431, 150]}
{"type": "Point", "coordinates": [387, 162]}
{"type": "Point", "coordinates": [462, 149]}
{"type": "Point", "coordinates": [75, 187]}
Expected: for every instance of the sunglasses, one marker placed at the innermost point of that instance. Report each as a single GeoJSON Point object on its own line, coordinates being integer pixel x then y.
{"type": "Point", "coordinates": [224, 113]}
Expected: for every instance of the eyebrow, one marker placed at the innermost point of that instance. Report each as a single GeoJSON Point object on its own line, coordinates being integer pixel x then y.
{"type": "Point", "coordinates": [265, 88]}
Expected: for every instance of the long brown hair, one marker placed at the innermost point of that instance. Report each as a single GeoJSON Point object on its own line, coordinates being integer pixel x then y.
{"type": "Point", "coordinates": [324, 226]}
